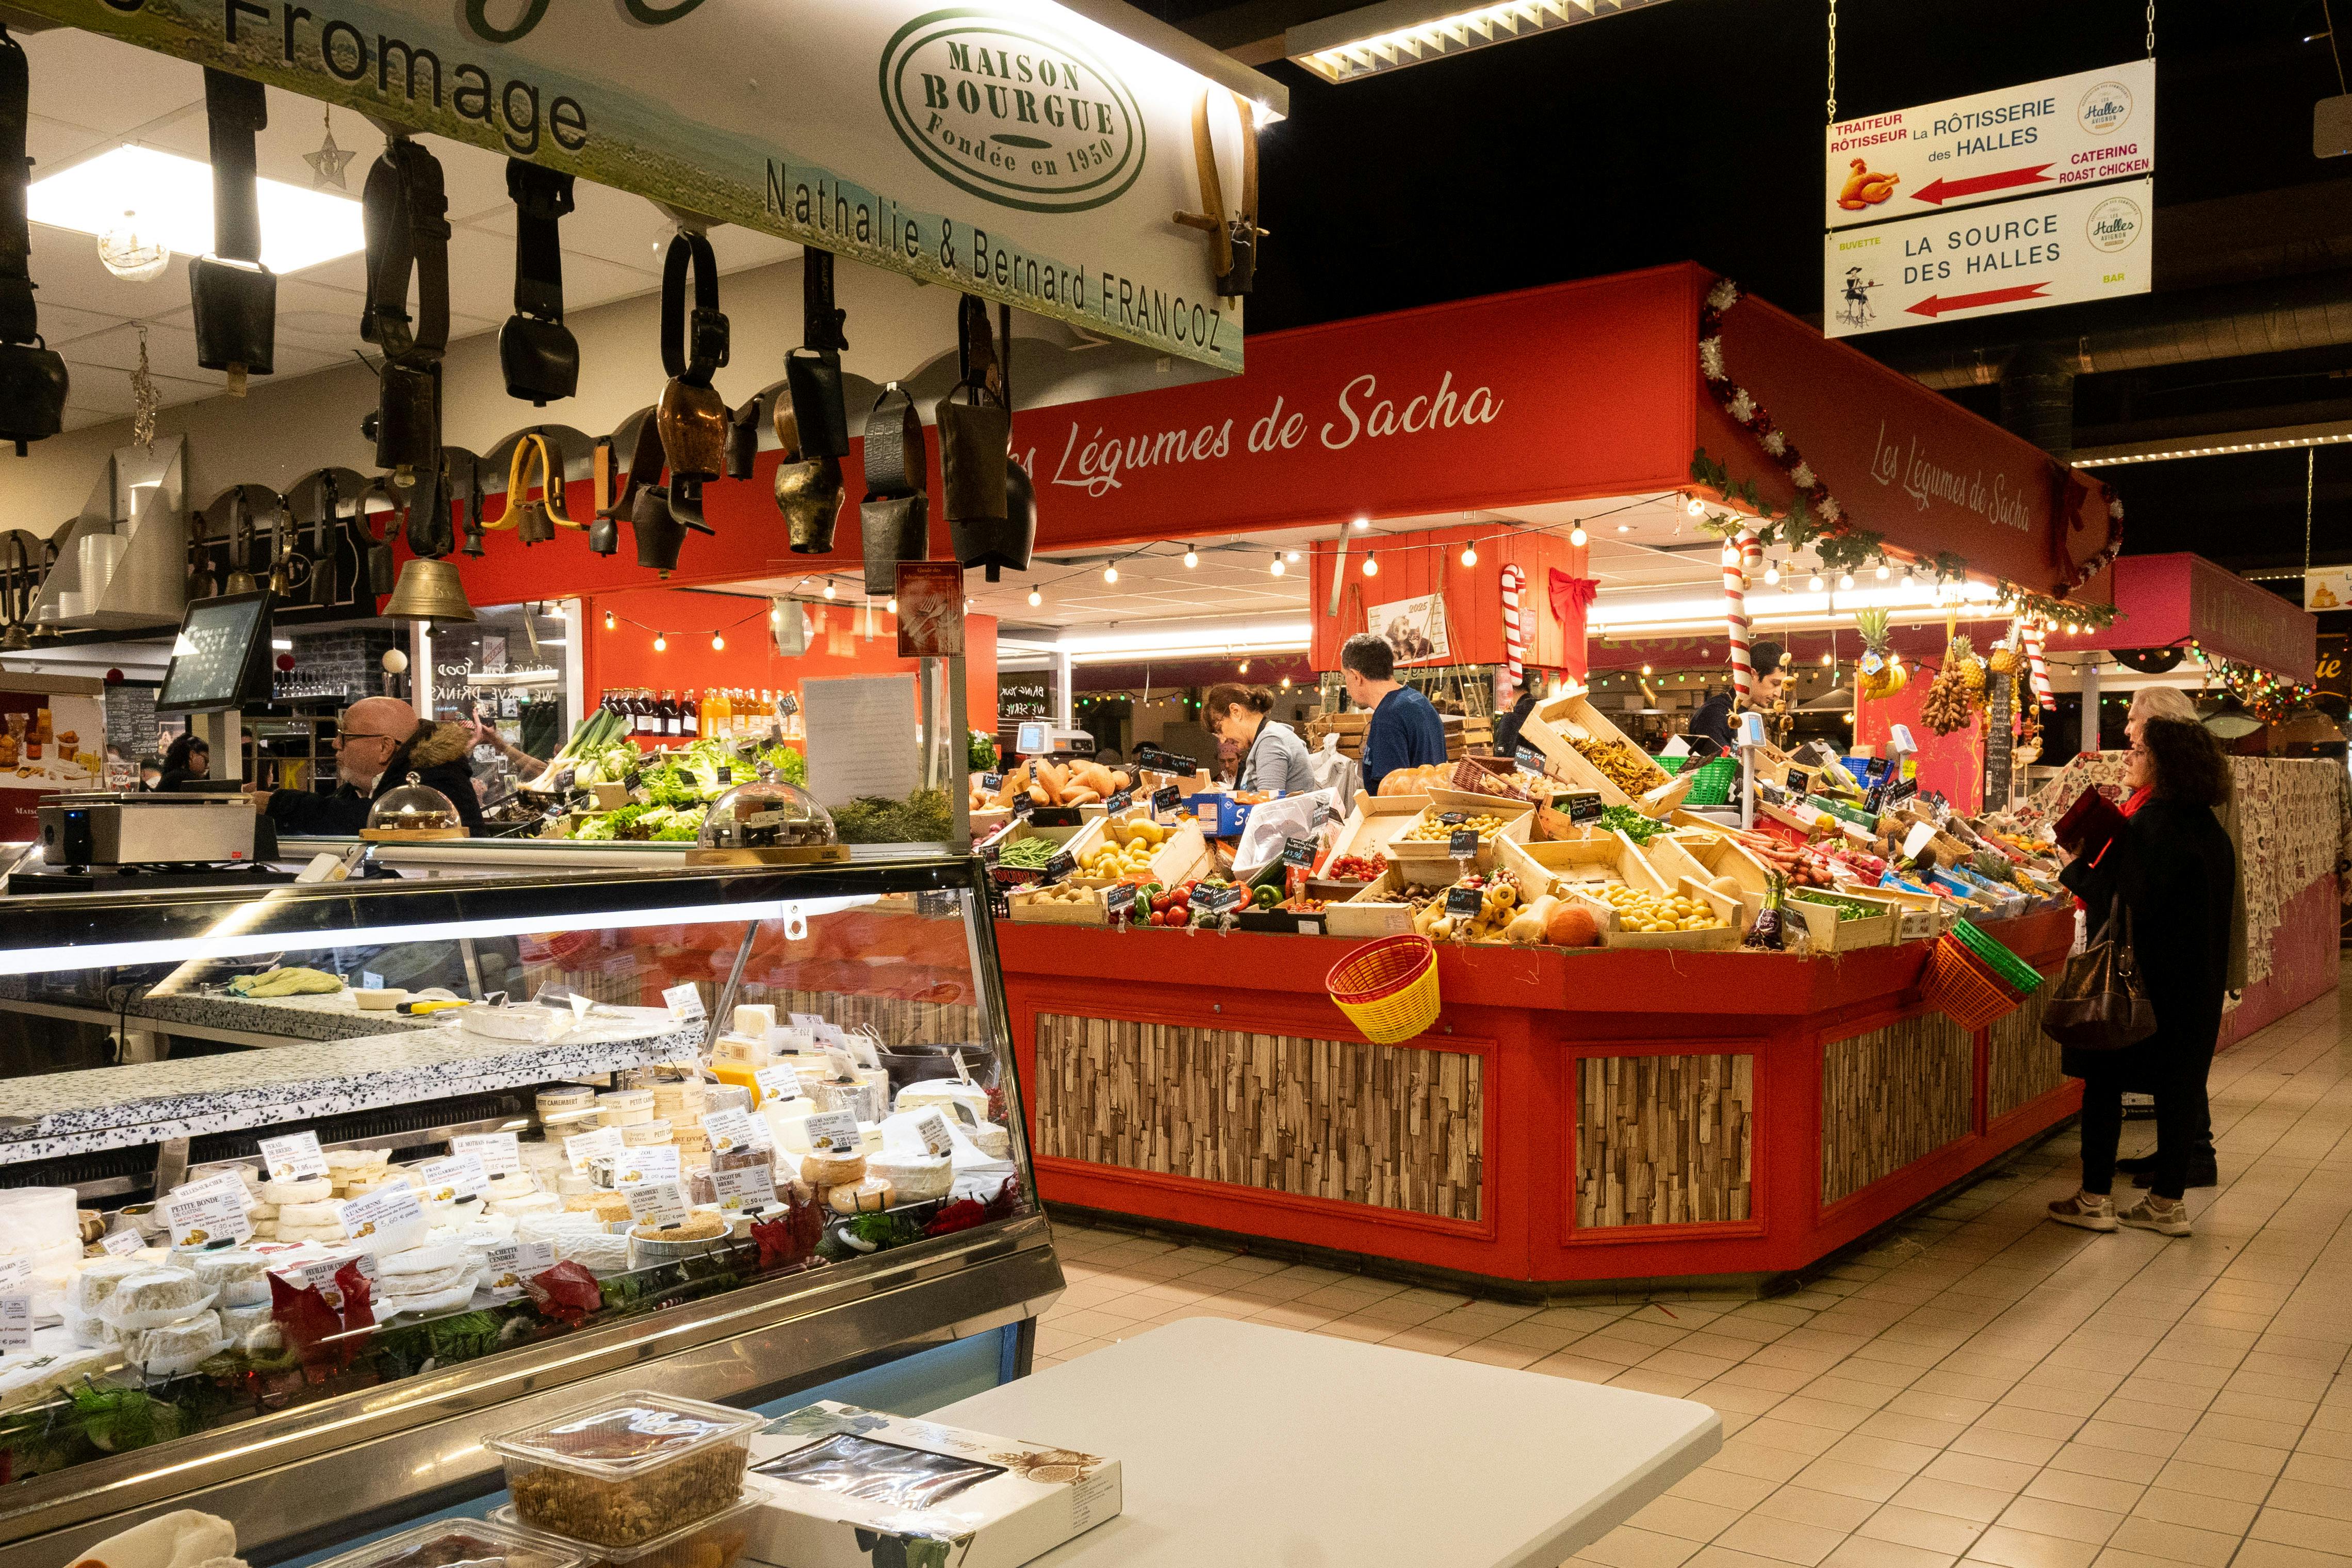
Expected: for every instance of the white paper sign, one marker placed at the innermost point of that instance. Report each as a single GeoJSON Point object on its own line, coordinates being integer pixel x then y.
{"type": "Point", "coordinates": [456, 1175]}
{"type": "Point", "coordinates": [123, 1243]}
{"type": "Point", "coordinates": [861, 738]}
{"type": "Point", "coordinates": [752, 1187]}
{"type": "Point", "coordinates": [510, 1266]}
{"type": "Point", "coordinates": [320, 1275]}
{"type": "Point", "coordinates": [833, 1131]}
{"type": "Point", "coordinates": [581, 1147]}
{"type": "Point", "coordinates": [633, 1167]}
{"type": "Point", "coordinates": [221, 1183]}
{"type": "Point", "coordinates": [371, 981]}
{"type": "Point", "coordinates": [501, 1154]}
{"type": "Point", "coordinates": [208, 1218]}
{"type": "Point", "coordinates": [656, 1203]}
{"type": "Point", "coordinates": [685, 1003]}
{"type": "Point", "coordinates": [16, 1323]}
{"type": "Point", "coordinates": [937, 1139]}
{"type": "Point", "coordinates": [732, 1130]}
{"type": "Point", "coordinates": [844, 1069]}
{"type": "Point", "coordinates": [296, 1157]}
{"type": "Point", "coordinates": [778, 1083]}
{"type": "Point", "coordinates": [382, 1210]}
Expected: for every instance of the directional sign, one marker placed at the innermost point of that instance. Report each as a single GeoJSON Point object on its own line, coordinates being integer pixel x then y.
{"type": "Point", "coordinates": [2051, 250]}
{"type": "Point", "coordinates": [2050, 135]}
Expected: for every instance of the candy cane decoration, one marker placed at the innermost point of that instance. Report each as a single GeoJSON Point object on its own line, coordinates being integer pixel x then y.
{"type": "Point", "coordinates": [1735, 606]}
{"type": "Point", "coordinates": [2037, 672]}
{"type": "Point", "coordinates": [1515, 642]}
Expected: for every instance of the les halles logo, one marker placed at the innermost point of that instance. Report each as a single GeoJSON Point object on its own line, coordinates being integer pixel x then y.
{"type": "Point", "coordinates": [1011, 112]}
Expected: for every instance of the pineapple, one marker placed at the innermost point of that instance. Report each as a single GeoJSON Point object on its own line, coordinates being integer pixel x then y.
{"type": "Point", "coordinates": [1881, 672]}
{"type": "Point", "coordinates": [1960, 657]}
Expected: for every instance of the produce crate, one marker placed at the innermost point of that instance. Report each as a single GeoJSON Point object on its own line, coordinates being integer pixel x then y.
{"type": "Point", "coordinates": [1376, 911]}
{"type": "Point", "coordinates": [1376, 819]}
{"type": "Point", "coordinates": [1290, 923]}
{"type": "Point", "coordinates": [1919, 916]}
{"type": "Point", "coordinates": [1428, 860]}
{"type": "Point", "coordinates": [1496, 776]}
{"type": "Point", "coordinates": [1559, 868]}
{"type": "Point", "coordinates": [984, 823]}
{"type": "Point", "coordinates": [1551, 725]}
{"type": "Point", "coordinates": [1186, 853]}
{"type": "Point", "coordinates": [1694, 852]}
{"type": "Point", "coordinates": [1713, 939]}
{"type": "Point", "coordinates": [1029, 906]}
{"type": "Point", "coordinates": [1831, 934]}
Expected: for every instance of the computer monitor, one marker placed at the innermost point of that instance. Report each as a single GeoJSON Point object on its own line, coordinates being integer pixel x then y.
{"type": "Point", "coordinates": [220, 658]}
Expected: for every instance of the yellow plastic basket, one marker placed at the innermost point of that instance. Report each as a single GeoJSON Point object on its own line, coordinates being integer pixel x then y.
{"type": "Point", "coordinates": [1388, 988]}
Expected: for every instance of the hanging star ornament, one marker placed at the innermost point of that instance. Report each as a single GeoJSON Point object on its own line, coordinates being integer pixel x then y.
{"type": "Point", "coordinates": [328, 162]}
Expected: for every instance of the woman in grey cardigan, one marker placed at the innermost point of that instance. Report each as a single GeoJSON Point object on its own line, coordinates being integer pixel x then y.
{"type": "Point", "coordinates": [1272, 757]}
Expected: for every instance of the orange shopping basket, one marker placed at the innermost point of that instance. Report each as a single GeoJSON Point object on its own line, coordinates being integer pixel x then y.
{"type": "Point", "coordinates": [1957, 984]}
{"type": "Point", "coordinates": [1388, 988]}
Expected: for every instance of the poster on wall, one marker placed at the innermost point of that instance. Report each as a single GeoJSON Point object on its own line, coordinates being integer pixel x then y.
{"type": "Point", "coordinates": [2328, 588]}
{"type": "Point", "coordinates": [1414, 628]}
{"type": "Point", "coordinates": [930, 609]}
{"type": "Point", "coordinates": [1013, 148]}
{"type": "Point", "coordinates": [46, 744]}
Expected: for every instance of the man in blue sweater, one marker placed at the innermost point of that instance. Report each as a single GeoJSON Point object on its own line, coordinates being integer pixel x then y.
{"type": "Point", "coordinates": [1405, 731]}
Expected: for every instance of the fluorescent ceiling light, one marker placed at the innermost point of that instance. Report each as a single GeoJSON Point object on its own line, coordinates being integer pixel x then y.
{"type": "Point", "coordinates": [174, 198]}
{"type": "Point", "coordinates": [1649, 614]}
{"type": "Point", "coordinates": [1260, 637]}
{"type": "Point", "coordinates": [1400, 33]}
{"type": "Point", "coordinates": [2213, 445]}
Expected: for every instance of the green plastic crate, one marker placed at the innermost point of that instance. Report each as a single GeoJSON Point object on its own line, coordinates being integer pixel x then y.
{"type": "Point", "coordinates": [1711, 781]}
{"type": "Point", "coordinates": [2021, 975]}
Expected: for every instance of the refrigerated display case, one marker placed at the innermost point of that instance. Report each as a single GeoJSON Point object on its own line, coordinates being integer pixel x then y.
{"type": "Point", "coordinates": [331, 1367]}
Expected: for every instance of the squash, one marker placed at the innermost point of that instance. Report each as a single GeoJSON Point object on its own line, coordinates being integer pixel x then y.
{"type": "Point", "coordinates": [1569, 924]}
{"type": "Point", "coordinates": [1727, 885]}
{"type": "Point", "coordinates": [1529, 927]}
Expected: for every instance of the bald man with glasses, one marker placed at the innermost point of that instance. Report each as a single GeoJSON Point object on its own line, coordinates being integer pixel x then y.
{"type": "Point", "coordinates": [378, 745]}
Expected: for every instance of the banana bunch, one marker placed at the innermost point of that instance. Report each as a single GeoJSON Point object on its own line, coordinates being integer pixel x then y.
{"type": "Point", "coordinates": [1882, 673]}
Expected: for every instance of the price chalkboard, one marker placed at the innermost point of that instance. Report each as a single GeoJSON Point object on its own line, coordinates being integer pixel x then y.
{"type": "Point", "coordinates": [1120, 898]}
{"type": "Point", "coordinates": [991, 781]}
{"type": "Point", "coordinates": [1165, 798]}
{"type": "Point", "coordinates": [1060, 866]}
{"type": "Point", "coordinates": [1216, 901]}
{"type": "Point", "coordinates": [1119, 802]}
{"type": "Point", "coordinates": [1530, 760]}
{"type": "Point", "coordinates": [1462, 843]}
{"type": "Point", "coordinates": [1024, 805]}
{"type": "Point", "coordinates": [1299, 852]}
{"type": "Point", "coordinates": [1460, 901]}
{"type": "Point", "coordinates": [1584, 806]}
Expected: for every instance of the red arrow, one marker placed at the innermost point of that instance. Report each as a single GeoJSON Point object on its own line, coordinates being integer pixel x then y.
{"type": "Point", "coordinates": [1939, 191]}
{"type": "Point", "coordinates": [1932, 306]}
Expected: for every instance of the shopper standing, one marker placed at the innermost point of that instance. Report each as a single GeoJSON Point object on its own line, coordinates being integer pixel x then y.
{"type": "Point", "coordinates": [1713, 719]}
{"type": "Point", "coordinates": [190, 759]}
{"type": "Point", "coordinates": [1272, 757]}
{"type": "Point", "coordinates": [1506, 728]}
{"type": "Point", "coordinates": [2170, 702]}
{"type": "Point", "coordinates": [2172, 869]}
{"type": "Point", "coordinates": [1405, 731]}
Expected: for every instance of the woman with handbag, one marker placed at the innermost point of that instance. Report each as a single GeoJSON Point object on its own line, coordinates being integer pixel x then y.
{"type": "Point", "coordinates": [2164, 883]}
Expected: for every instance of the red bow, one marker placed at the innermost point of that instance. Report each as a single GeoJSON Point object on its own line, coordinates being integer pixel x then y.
{"type": "Point", "coordinates": [1570, 597]}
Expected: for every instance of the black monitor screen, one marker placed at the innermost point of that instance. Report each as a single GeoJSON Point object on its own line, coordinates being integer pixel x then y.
{"type": "Point", "coordinates": [220, 658]}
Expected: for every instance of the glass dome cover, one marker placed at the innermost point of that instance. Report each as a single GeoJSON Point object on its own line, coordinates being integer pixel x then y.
{"type": "Point", "coordinates": [766, 814]}
{"type": "Point", "coordinates": [411, 806]}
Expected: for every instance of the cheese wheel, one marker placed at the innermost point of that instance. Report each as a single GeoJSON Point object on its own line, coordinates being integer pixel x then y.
{"type": "Point", "coordinates": [914, 1177]}
{"type": "Point", "coordinates": [864, 1196]}
{"type": "Point", "coordinates": [306, 1189]}
{"type": "Point", "coordinates": [823, 1170]}
{"type": "Point", "coordinates": [310, 1216]}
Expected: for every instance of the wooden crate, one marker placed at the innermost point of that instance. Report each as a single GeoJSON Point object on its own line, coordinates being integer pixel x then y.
{"type": "Point", "coordinates": [1704, 857]}
{"type": "Point", "coordinates": [1376, 819]}
{"type": "Point", "coordinates": [1713, 939]}
{"type": "Point", "coordinates": [1186, 853]}
{"type": "Point", "coordinates": [1029, 906]}
{"type": "Point", "coordinates": [1557, 867]}
{"type": "Point", "coordinates": [1428, 859]}
{"type": "Point", "coordinates": [1831, 934]}
{"type": "Point", "coordinates": [1375, 911]}
{"type": "Point", "coordinates": [1551, 725]}
{"type": "Point", "coordinates": [1919, 917]}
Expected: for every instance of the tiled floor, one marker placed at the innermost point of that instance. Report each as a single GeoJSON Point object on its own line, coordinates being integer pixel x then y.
{"type": "Point", "coordinates": [1983, 1386]}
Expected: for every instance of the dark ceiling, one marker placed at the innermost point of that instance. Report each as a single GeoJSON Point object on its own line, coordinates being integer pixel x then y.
{"type": "Point", "coordinates": [1692, 129]}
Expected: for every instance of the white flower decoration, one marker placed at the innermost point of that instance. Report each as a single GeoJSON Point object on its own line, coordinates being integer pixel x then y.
{"type": "Point", "coordinates": [1802, 475]}
{"type": "Point", "coordinates": [1741, 407]}
{"type": "Point", "coordinates": [1776, 442]}
{"type": "Point", "coordinates": [1710, 358]}
{"type": "Point", "coordinates": [1723, 296]}
{"type": "Point", "coordinates": [1829, 510]}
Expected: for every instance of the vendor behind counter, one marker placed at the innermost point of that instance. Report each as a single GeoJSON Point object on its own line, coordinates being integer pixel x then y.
{"type": "Point", "coordinates": [378, 745]}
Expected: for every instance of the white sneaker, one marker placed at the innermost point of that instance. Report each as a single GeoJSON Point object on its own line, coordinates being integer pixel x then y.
{"type": "Point", "coordinates": [2166, 1216]}
{"type": "Point", "coordinates": [2086, 1210]}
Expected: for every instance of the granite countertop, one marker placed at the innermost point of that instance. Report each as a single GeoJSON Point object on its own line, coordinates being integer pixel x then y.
{"type": "Point", "coordinates": [333, 1016]}
{"type": "Point", "coordinates": [123, 1107]}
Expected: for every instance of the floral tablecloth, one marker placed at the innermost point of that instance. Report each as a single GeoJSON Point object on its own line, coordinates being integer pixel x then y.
{"type": "Point", "coordinates": [2294, 826]}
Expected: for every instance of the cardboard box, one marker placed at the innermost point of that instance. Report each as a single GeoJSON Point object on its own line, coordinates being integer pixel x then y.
{"type": "Point", "coordinates": [991, 1503]}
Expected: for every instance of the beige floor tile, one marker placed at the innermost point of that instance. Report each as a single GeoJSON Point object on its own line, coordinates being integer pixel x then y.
{"type": "Point", "coordinates": [1954, 1498]}
{"type": "Point", "coordinates": [1627, 1547]}
{"type": "Point", "coordinates": [1848, 1478]}
{"type": "Point", "coordinates": [1862, 1552]}
{"type": "Point", "coordinates": [1685, 1519]}
{"type": "Point", "coordinates": [2023, 1549]}
{"type": "Point", "coordinates": [2025, 1448]}
{"type": "Point", "coordinates": [1723, 1488]}
{"type": "Point", "coordinates": [2276, 1554]}
{"type": "Point", "coordinates": [2089, 1459]}
{"type": "Point", "coordinates": [1976, 1470]}
{"type": "Point", "coordinates": [2217, 1515]}
{"type": "Point", "coordinates": [1724, 1557]}
{"type": "Point", "coordinates": [2069, 1521]}
{"type": "Point", "coordinates": [2312, 1531]}
{"type": "Point", "coordinates": [1783, 1540]}
{"type": "Point", "coordinates": [2181, 1543]}
{"type": "Point", "coordinates": [1913, 1527]}
{"type": "Point", "coordinates": [1830, 1511]}
{"type": "Point", "coordinates": [2085, 1491]}
{"type": "Point", "coordinates": [2311, 1496]}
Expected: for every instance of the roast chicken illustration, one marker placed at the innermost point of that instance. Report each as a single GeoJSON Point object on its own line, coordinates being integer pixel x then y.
{"type": "Point", "coordinates": [1864, 189]}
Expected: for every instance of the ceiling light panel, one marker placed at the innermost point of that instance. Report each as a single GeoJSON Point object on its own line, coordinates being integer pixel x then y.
{"type": "Point", "coordinates": [1400, 33]}
{"type": "Point", "coordinates": [174, 198]}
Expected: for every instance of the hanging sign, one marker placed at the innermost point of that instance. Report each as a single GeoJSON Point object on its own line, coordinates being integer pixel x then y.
{"type": "Point", "coordinates": [2052, 250]}
{"type": "Point", "coordinates": [1014, 149]}
{"type": "Point", "coordinates": [2069, 131]}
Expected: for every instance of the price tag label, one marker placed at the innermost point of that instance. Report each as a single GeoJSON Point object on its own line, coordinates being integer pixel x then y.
{"type": "Point", "coordinates": [991, 781]}
{"type": "Point", "coordinates": [1118, 897]}
{"type": "Point", "coordinates": [837, 1059]}
{"type": "Point", "coordinates": [1462, 901]}
{"type": "Point", "coordinates": [633, 1167]}
{"type": "Point", "coordinates": [1170, 763]}
{"type": "Point", "coordinates": [371, 981]}
{"type": "Point", "coordinates": [499, 1152]}
{"type": "Point", "coordinates": [221, 1183]}
{"type": "Point", "coordinates": [752, 1187]}
{"type": "Point", "coordinates": [582, 1147]}
{"type": "Point", "coordinates": [1061, 865]}
{"type": "Point", "coordinates": [1462, 844]}
{"type": "Point", "coordinates": [294, 1157]}
{"type": "Point", "coordinates": [685, 1003]}
{"type": "Point", "coordinates": [453, 1177]}
{"type": "Point", "coordinates": [510, 1266]}
{"type": "Point", "coordinates": [1022, 805]}
{"type": "Point", "coordinates": [1119, 800]}
{"type": "Point", "coordinates": [16, 1274]}
{"type": "Point", "coordinates": [1215, 901]}
{"type": "Point", "coordinates": [15, 1321]}
{"type": "Point", "coordinates": [123, 1243]}
{"type": "Point", "coordinates": [937, 1139]}
{"type": "Point", "coordinates": [656, 1203]}
{"type": "Point", "coordinates": [833, 1131]}
{"type": "Point", "coordinates": [732, 1130]}
{"type": "Point", "coordinates": [1585, 805]}
{"type": "Point", "coordinates": [1165, 798]}
{"type": "Point", "coordinates": [1530, 759]}
{"type": "Point", "coordinates": [777, 1083]}
{"type": "Point", "coordinates": [1299, 852]}
{"type": "Point", "coordinates": [384, 1210]}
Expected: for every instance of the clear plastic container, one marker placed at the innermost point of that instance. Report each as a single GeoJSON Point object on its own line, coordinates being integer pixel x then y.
{"type": "Point", "coordinates": [713, 1542]}
{"type": "Point", "coordinates": [413, 805]}
{"type": "Point", "coordinates": [766, 814]}
{"type": "Point", "coordinates": [627, 1469]}
{"type": "Point", "coordinates": [475, 1543]}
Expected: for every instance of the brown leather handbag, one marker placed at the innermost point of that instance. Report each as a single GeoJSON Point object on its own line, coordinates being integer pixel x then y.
{"type": "Point", "coordinates": [2100, 1003]}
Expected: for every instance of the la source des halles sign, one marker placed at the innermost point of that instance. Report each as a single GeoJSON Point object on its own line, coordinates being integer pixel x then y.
{"type": "Point", "coordinates": [1015, 149]}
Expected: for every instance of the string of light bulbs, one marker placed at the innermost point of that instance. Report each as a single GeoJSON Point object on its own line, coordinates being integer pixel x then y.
{"type": "Point", "coordinates": [613, 620]}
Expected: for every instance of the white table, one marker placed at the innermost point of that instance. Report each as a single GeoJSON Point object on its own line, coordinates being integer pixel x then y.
{"type": "Point", "coordinates": [1243, 1446]}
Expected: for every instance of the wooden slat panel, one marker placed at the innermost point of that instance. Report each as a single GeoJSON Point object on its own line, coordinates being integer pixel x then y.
{"type": "Point", "coordinates": [2024, 1064]}
{"type": "Point", "coordinates": [1385, 1126]}
{"type": "Point", "coordinates": [1892, 1097]}
{"type": "Point", "coordinates": [1663, 1140]}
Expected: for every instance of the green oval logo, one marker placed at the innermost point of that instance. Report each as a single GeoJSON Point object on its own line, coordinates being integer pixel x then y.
{"type": "Point", "coordinates": [1011, 112]}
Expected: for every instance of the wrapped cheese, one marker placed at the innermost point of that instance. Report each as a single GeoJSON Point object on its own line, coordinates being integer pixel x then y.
{"type": "Point", "coordinates": [945, 1094]}
{"type": "Point", "coordinates": [152, 1296]}
{"type": "Point", "coordinates": [252, 1329]}
{"type": "Point", "coordinates": [865, 1196]}
{"type": "Point", "coordinates": [306, 1189]}
{"type": "Point", "coordinates": [238, 1278]}
{"type": "Point", "coordinates": [916, 1177]}
{"type": "Point", "coordinates": [171, 1350]}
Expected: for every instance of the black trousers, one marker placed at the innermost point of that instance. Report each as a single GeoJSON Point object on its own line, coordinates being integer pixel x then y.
{"type": "Point", "coordinates": [2183, 1121]}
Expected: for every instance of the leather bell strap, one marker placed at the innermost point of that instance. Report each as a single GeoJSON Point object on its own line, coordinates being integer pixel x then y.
{"type": "Point", "coordinates": [235, 111]}
{"type": "Point", "coordinates": [1004, 353]}
{"type": "Point", "coordinates": [542, 197]}
{"type": "Point", "coordinates": [19, 322]}
{"type": "Point", "coordinates": [821, 319]}
{"type": "Point", "coordinates": [430, 532]}
{"type": "Point", "coordinates": [644, 472]}
{"type": "Point", "coordinates": [975, 352]}
{"type": "Point", "coordinates": [406, 217]}
{"type": "Point", "coordinates": [531, 450]}
{"type": "Point", "coordinates": [896, 463]}
{"type": "Point", "coordinates": [687, 249]}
